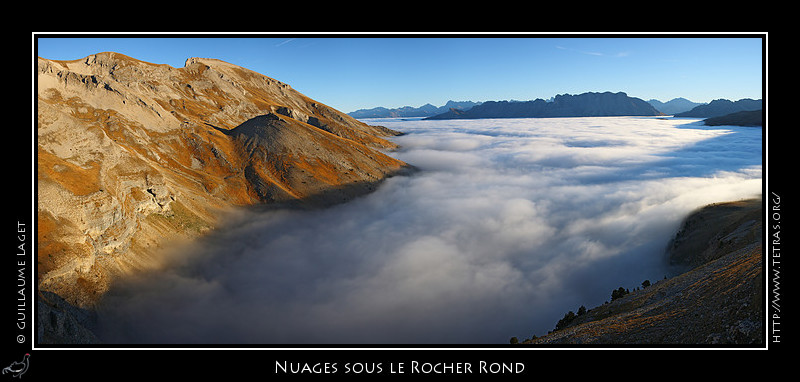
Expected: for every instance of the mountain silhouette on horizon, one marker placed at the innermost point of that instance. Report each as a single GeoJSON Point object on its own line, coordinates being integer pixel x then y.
{"type": "Point", "coordinates": [563, 105]}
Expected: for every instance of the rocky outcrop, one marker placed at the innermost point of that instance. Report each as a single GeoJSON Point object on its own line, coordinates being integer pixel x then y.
{"type": "Point", "coordinates": [718, 300]}
{"type": "Point", "coordinates": [132, 156]}
{"type": "Point", "coordinates": [59, 322]}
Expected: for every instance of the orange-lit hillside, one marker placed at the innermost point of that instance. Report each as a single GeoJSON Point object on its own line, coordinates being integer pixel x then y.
{"type": "Point", "coordinates": [132, 155]}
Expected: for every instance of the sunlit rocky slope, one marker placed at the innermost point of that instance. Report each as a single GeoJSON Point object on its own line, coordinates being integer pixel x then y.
{"type": "Point", "coordinates": [133, 155]}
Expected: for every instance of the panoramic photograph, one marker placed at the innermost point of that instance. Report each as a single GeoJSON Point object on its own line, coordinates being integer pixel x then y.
{"type": "Point", "coordinates": [523, 191]}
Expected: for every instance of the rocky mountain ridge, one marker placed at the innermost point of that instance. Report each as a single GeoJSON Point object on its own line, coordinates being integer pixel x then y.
{"type": "Point", "coordinates": [720, 107]}
{"type": "Point", "coordinates": [563, 105]}
{"type": "Point", "coordinates": [410, 112]}
{"type": "Point", "coordinates": [133, 155]}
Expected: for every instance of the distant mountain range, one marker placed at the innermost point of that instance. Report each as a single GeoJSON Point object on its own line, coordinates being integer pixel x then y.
{"type": "Point", "coordinates": [426, 110]}
{"type": "Point", "coordinates": [674, 106]}
{"type": "Point", "coordinates": [563, 105]}
{"type": "Point", "coordinates": [582, 105]}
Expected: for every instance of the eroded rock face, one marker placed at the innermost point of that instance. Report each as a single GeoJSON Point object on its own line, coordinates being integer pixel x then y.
{"type": "Point", "coordinates": [132, 155]}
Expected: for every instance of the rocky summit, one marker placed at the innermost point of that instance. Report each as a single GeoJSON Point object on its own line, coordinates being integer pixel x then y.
{"type": "Point", "coordinates": [133, 155]}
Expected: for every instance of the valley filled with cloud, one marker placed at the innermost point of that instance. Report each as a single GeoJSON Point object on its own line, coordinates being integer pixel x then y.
{"type": "Point", "coordinates": [507, 225]}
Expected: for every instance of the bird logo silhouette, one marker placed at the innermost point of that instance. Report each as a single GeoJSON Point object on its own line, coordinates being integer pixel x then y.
{"type": "Point", "coordinates": [18, 368]}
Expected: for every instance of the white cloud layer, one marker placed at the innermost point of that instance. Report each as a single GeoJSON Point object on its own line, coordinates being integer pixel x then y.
{"type": "Point", "coordinates": [510, 224]}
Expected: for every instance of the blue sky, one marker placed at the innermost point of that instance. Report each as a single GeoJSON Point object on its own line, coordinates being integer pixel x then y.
{"type": "Point", "coordinates": [351, 72]}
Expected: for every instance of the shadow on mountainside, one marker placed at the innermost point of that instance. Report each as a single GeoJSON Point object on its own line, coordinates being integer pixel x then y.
{"type": "Point", "coordinates": [61, 323]}
{"type": "Point", "coordinates": [717, 301]}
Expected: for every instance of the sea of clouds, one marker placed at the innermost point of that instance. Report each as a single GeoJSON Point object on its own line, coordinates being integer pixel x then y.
{"type": "Point", "coordinates": [509, 224]}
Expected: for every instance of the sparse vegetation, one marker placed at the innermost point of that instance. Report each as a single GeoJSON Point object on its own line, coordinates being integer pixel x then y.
{"type": "Point", "coordinates": [571, 316]}
{"type": "Point", "coordinates": [619, 293]}
{"type": "Point", "coordinates": [564, 322]}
